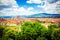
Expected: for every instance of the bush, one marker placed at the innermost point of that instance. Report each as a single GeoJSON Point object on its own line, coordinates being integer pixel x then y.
{"type": "Point", "coordinates": [56, 34]}
{"type": "Point", "coordinates": [52, 32]}
{"type": "Point", "coordinates": [30, 31]}
{"type": "Point", "coordinates": [11, 32]}
{"type": "Point", "coordinates": [41, 38]}
{"type": "Point", "coordinates": [51, 26]}
{"type": "Point", "coordinates": [33, 30]}
{"type": "Point", "coordinates": [1, 30]}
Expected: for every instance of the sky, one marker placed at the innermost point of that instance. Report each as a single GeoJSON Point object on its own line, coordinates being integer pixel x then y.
{"type": "Point", "coordinates": [28, 7]}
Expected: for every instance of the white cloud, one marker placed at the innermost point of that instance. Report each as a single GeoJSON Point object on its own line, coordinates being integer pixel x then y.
{"type": "Point", "coordinates": [19, 11]}
{"type": "Point", "coordinates": [8, 3]}
{"type": "Point", "coordinates": [15, 9]}
{"type": "Point", "coordinates": [30, 8]}
{"type": "Point", "coordinates": [34, 1]}
{"type": "Point", "coordinates": [51, 8]}
{"type": "Point", "coordinates": [8, 11]}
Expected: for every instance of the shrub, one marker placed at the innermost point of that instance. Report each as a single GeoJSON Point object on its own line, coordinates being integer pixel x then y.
{"type": "Point", "coordinates": [53, 26]}
{"type": "Point", "coordinates": [33, 29]}
{"type": "Point", "coordinates": [56, 34]}
{"type": "Point", "coordinates": [11, 32]}
{"type": "Point", "coordinates": [30, 31]}
{"type": "Point", "coordinates": [51, 31]}
{"type": "Point", "coordinates": [1, 30]}
{"type": "Point", "coordinates": [41, 38]}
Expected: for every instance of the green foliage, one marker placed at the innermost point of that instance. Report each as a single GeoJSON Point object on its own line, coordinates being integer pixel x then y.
{"type": "Point", "coordinates": [1, 30]}
{"type": "Point", "coordinates": [41, 38]}
{"type": "Point", "coordinates": [52, 29]}
{"type": "Point", "coordinates": [51, 26]}
{"type": "Point", "coordinates": [33, 30]}
{"type": "Point", "coordinates": [30, 31]}
{"type": "Point", "coordinates": [11, 33]}
{"type": "Point", "coordinates": [56, 34]}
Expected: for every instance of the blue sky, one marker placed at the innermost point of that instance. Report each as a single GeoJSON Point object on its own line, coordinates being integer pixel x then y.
{"type": "Point", "coordinates": [25, 4]}
{"type": "Point", "coordinates": [28, 7]}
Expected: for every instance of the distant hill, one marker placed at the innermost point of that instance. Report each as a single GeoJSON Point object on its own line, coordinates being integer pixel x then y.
{"type": "Point", "coordinates": [5, 16]}
{"type": "Point", "coordinates": [40, 15]}
{"type": "Point", "coordinates": [43, 15]}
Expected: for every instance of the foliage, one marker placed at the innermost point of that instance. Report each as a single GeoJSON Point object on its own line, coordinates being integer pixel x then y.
{"type": "Point", "coordinates": [11, 32]}
{"type": "Point", "coordinates": [30, 31]}
{"type": "Point", "coordinates": [56, 34]}
{"type": "Point", "coordinates": [51, 31]}
{"type": "Point", "coordinates": [1, 30]}
{"type": "Point", "coordinates": [33, 30]}
{"type": "Point", "coordinates": [41, 38]}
